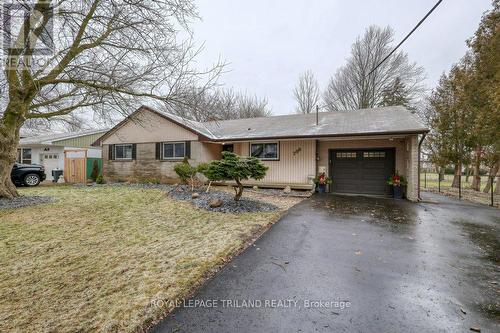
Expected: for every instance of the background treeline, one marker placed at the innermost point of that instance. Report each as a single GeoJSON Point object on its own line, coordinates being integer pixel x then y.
{"type": "Point", "coordinates": [463, 111]}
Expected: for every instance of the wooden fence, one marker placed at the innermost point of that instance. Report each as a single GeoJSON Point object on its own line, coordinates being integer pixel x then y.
{"type": "Point", "coordinates": [75, 166]}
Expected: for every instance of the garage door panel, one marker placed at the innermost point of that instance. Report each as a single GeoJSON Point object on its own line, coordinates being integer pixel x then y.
{"type": "Point", "coordinates": [373, 174]}
{"type": "Point", "coordinates": [372, 164]}
{"type": "Point", "coordinates": [347, 173]}
{"type": "Point", "coordinates": [363, 171]}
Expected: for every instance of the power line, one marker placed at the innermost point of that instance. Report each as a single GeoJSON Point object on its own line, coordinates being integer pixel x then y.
{"type": "Point", "coordinates": [407, 36]}
{"type": "Point", "coordinates": [397, 46]}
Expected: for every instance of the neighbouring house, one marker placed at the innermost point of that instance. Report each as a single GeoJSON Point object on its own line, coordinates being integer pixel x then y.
{"type": "Point", "coordinates": [51, 151]}
{"type": "Point", "coordinates": [358, 150]}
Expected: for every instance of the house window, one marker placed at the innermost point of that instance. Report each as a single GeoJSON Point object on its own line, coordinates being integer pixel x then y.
{"type": "Point", "coordinates": [228, 147]}
{"type": "Point", "coordinates": [374, 154]}
{"type": "Point", "coordinates": [123, 152]}
{"type": "Point", "coordinates": [24, 155]}
{"type": "Point", "coordinates": [174, 150]}
{"type": "Point", "coordinates": [265, 151]}
{"type": "Point", "coordinates": [50, 156]}
{"type": "Point", "coordinates": [346, 154]}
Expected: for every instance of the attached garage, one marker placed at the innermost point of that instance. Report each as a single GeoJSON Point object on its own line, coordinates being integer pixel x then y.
{"type": "Point", "coordinates": [361, 171]}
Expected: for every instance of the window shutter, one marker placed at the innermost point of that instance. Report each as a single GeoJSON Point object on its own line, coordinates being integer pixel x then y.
{"type": "Point", "coordinates": [188, 149]}
{"type": "Point", "coordinates": [134, 151]}
{"type": "Point", "coordinates": [158, 151]}
{"type": "Point", "coordinates": [111, 153]}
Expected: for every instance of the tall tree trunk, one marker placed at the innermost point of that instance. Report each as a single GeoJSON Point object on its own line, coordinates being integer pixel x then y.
{"type": "Point", "coordinates": [10, 124]}
{"type": "Point", "coordinates": [476, 180]}
{"type": "Point", "coordinates": [239, 190]}
{"type": "Point", "coordinates": [9, 139]}
{"type": "Point", "coordinates": [493, 171]}
{"type": "Point", "coordinates": [458, 171]}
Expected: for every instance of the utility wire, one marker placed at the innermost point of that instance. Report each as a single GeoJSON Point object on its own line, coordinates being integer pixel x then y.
{"type": "Point", "coordinates": [407, 36]}
{"type": "Point", "coordinates": [397, 46]}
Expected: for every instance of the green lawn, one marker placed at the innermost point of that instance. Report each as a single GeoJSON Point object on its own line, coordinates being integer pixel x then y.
{"type": "Point", "coordinates": [430, 180]}
{"type": "Point", "coordinates": [96, 259]}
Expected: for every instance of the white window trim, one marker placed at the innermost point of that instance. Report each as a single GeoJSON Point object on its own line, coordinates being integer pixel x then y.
{"type": "Point", "coordinates": [277, 143]}
{"type": "Point", "coordinates": [173, 150]}
{"type": "Point", "coordinates": [123, 158]}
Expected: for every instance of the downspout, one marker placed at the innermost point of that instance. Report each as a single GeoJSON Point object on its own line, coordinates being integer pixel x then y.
{"type": "Point", "coordinates": [317, 142]}
{"type": "Point", "coordinates": [316, 157]}
{"type": "Point", "coordinates": [419, 149]}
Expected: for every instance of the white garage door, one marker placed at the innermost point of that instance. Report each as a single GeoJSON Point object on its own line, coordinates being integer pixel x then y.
{"type": "Point", "coordinates": [50, 162]}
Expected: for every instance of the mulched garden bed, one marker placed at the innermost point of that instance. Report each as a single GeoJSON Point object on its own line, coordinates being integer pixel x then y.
{"type": "Point", "coordinates": [24, 201]}
{"type": "Point", "coordinates": [244, 205]}
{"type": "Point", "coordinates": [183, 192]}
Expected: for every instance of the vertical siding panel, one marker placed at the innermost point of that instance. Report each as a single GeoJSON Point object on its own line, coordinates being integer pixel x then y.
{"type": "Point", "coordinates": [290, 168]}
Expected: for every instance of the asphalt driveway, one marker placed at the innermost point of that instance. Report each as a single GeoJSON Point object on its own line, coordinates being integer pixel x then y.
{"type": "Point", "coordinates": [356, 264]}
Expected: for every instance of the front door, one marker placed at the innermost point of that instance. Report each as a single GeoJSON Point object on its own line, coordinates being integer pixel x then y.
{"type": "Point", "coordinates": [363, 171]}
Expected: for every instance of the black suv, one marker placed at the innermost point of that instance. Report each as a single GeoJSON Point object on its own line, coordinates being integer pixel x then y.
{"type": "Point", "coordinates": [27, 174]}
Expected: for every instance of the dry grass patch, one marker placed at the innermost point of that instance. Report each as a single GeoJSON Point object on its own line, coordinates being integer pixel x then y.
{"type": "Point", "coordinates": [96, 258]}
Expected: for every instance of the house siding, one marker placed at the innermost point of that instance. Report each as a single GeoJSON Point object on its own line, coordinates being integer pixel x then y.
{"type": "Point", "coordinates": [145, 130]}
{"type": "Point", "coordinates": [296, 162]}
{"type": "Point", "coordinates": [412, 167]}
{"type": "Point", "coordinates": [148, 127]}
{"type": "Point", "coordinates": [84, 141]}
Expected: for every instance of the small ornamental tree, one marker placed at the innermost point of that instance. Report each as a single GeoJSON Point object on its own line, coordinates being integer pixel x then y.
{"type": "Point", "coordinates": [234, 167]}
{"type": "Point", "coordinates": [95, 171]}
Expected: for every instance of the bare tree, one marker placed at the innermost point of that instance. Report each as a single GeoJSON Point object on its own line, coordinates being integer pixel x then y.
{"type": "Point", "coordinates": [306, 92]}
{"type": "Point", "coordinates": [105, 56]}
{"type": "Point", "coordinates": [251, 107]}
{"type": "Point", "coordinates": [220, 105]}
{"type": "Point", "coordinates": [352, 88]}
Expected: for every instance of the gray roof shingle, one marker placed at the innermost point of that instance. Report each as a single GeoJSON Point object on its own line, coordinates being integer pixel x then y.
{"type": "Point", "coordinates": [374, 121]}
{"type": "Point", "coordinates": [393, 119]}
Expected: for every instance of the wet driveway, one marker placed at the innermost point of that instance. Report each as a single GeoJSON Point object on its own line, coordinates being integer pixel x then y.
{"type": "Point", "coordinates": [355, 264]}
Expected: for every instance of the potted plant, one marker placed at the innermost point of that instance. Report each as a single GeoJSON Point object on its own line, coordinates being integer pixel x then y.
{"type": "Point", "coordinates": [321, 181]}
{"type": "Point", "coordinates": [398, 184]}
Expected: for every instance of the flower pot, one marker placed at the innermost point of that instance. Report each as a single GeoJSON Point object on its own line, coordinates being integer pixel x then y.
{"type": "Point", "coordinates": [322, 188]}
{"type": "Point", "coordinates": [398, 192]}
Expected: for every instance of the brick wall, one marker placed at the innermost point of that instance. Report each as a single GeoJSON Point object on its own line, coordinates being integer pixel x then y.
{"type": "Point", "coordinates": [146, 168]}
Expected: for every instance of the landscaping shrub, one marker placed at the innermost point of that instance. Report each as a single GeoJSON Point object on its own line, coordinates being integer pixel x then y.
{"type": "Point", "coordinates": [186, 173]}
{"type": "Point", "coordinates": [95, 171]}
{"type": "Point", "coordinates": [100, 179]}
{"type": "Point", "coordinates": [234, 167]}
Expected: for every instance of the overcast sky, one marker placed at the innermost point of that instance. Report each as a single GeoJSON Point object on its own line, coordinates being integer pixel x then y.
{"type": "Point", "coordinates": [269, 43]}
